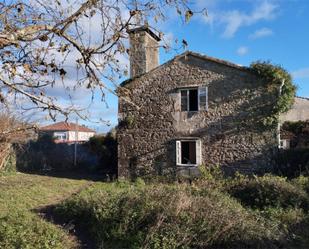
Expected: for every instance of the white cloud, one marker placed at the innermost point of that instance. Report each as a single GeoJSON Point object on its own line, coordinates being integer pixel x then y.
{"type": "Point", "coordinates": [242, 50]}
{"type": "Point", "coordinates": [233, 20]}
{"type": "Point", "coordinates": [263, 32]}
{"type": "Point", "coordinates": [302, 73]}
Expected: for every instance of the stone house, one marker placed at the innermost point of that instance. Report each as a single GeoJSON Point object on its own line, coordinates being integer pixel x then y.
{"type": "Point", "coordinates": [191, 110]}
{"type": "Point", "coordinates": [69, 133]}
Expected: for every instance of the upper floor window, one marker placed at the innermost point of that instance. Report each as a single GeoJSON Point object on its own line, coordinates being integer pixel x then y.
{"type": "Point", "coordinates": [194, 99]}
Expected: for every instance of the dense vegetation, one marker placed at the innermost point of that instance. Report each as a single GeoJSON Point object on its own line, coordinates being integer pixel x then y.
{"type": "Point", "coordinates": [105, 149]}
{"type": "Point", "coordinates": [211, 212]}
{"type": "Point", "coordinates": [279, 83]}
{"type": "Point", "coordinates": [262, 212]}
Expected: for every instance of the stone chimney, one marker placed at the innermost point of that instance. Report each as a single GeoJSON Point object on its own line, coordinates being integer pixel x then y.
{"type": "Point", "coordinates": [144, 50]}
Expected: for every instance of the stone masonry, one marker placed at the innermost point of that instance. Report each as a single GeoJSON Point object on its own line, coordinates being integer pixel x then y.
{"type": "Point", "coordinates": [230, 130]}
{"type": "Point", "coordinates": [144, 51]}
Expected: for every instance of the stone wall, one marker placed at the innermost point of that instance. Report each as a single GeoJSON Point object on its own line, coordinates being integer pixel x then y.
{"type": "Point", "coordinates": [231, 132]}
{"type": "Point", "coordinates": [144, 53]}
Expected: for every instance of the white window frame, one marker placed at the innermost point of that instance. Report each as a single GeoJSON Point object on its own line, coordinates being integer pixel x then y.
{"type": "Point", "coordinates": [199, 92]}
{"type": "Point", "coordinates": [285, 144]}
{"type": "Point", "coordinates": [198, 88]}
{"type": "Point", "coordinates": [198, 152]}
{"type": "Point", "coordinates": [59, 135]}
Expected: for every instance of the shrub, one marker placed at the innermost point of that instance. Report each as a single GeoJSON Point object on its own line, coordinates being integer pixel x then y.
{"type": "Point", "coordinates": [105, 148]}
{"type": "Point", "coordinates": [302, 182]}
{"type": "Point", "coordinates": [23, 230]}
{"type": "Point", "coordinates": [44, 154]}
{"type": "Point", "coordinates": [165, 216]}
{"type": "Point", "coordinates": [292, 162]}
{"type": "Point", "coordinates": [269, 191]}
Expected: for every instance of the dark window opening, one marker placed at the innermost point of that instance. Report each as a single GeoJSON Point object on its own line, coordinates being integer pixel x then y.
{"type": "Point", "coordinates": [189, 100]}
{"type": "Point", "coordinates": [188, 152]}
{"type": "Point", "coordinates": [193, 100]}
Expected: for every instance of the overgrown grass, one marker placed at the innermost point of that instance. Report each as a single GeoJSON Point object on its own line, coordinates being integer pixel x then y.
{"type": "Point", "coordinates": [269, 191]}
{"type": "Point", "coordinates": [212, 212]}
{"type": "Point", "coordinates": [202, 215]}
{"type": "Point", "coordinates": [21, 196]}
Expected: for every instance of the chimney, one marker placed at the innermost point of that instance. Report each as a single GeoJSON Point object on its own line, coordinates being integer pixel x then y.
{"type": "Point", "coordinates": [144, 50]}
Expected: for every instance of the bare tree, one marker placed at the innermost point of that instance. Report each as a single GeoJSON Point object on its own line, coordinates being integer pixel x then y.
{"type": "Point", "coordinates": [38, 38]}
{"type": "Point", "coordinates": [12, 130]}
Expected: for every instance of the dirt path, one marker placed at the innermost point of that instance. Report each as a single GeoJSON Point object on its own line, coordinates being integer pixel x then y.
{"type": "Point", "coordinates": [26, 207]}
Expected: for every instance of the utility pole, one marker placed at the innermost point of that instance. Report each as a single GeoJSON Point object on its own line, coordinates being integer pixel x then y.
{"type": "Point", "coordinates": [75, 145]}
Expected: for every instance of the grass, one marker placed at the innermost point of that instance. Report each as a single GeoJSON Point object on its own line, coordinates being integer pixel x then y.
{"type": "Point", "coordinates": [22, 196]}
{"type": "Point", "coordinates": [202, 215]}
{"type": "Point", "coordinates": [212, 212]}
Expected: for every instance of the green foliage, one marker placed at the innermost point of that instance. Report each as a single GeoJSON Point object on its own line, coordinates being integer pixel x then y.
{"type": "Point", "coordinates": [302, 182]}
{"type": "Point", "coordinates": [128, 121]}
{"type": "Point", "coordinates": [292, 163]}
{"type": "Point", "coordinates": [46, 155]}
{"type": "Point", "coordinates": [211, 172]}
{"type": "Point", "coordinates": [21, 226]}
{"type": "Point", "coordinates": [105, 147]}
{"type": "Point", "coordinates": [275, 76]}
{"type": "Point", "coordinates": [136, 214]}
{"type": "Point", "coordinates": [25, 230]}
{"type": "Point", "coordinates": [165, 216]}
{"type": "Point", "coordinates": [295, 127]}
{"type": "Point", "coordinates": [269, 191]}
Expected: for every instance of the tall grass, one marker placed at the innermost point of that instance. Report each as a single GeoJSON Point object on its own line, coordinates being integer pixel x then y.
{"type": "Point", "coordinates": [168, 216]}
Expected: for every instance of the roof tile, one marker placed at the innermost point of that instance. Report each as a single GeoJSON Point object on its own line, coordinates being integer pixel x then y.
{"type": "Point", "coordinates": [65, 126]}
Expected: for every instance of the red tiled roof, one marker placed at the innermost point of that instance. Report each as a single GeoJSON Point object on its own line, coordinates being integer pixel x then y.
{"type": "Point", "coordinates": [63, 126]}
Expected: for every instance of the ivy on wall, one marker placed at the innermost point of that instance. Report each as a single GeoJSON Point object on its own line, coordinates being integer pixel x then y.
{"type": "Point", "coordinates": [279, 82]}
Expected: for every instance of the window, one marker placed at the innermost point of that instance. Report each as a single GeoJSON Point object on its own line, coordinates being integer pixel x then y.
{"type": "Point", "coordinates": [188, 152]}
{"type": "Point", "coordinates": [60, 135]}
{"type": "Point", "coordinates": [194, 99]}
{"type": "Point", "coordinates": [284, 144]}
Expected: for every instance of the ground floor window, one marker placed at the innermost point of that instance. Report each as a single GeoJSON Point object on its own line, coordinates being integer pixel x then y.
{"type": "Point", "coordinates": [284, 144]}
{"type": "Point", "coordinates": [60, 135]}
{"type": "Point", "coordinates": [188, 152]}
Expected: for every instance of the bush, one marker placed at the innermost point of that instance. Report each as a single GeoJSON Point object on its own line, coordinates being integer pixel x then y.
{"type": "Point", "coordinates": [269, 191]}
{"type": "Point", "coordinates": [44, 154]}
{"type": "Point", "coordinates": [166, 216]}
{"type": "Point", "coordinates": [302, 182]}
{"type": "Point", "coordinates": [292, 162]}
{"type": "Point", "coordinates": [105, 148]}
{"type": "Point", "coordinates": [24, 230]}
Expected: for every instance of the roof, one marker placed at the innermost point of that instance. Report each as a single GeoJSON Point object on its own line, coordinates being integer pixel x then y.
{"type": "Point", "coordinates": [65, 126]}
{"type": "Point", "coordinates": [198, 55]}
{"type": "Point", "coordinates": [299, 97]}
{"type": "Point", "coordinates": [146, 29]}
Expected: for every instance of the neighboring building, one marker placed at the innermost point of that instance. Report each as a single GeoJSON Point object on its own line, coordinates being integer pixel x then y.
{"type": "Point", "coordinates": [299, 115]}
{"type": "Point", "coordinates": [67, 132]}
{"type": "Point", "coordinates": [191, 110]}
{"type": "Point", "coordinates": [298, 112]}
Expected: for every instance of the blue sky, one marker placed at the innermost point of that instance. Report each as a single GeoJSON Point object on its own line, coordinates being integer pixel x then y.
{"type": "Point", "coordinates": [241, 32]}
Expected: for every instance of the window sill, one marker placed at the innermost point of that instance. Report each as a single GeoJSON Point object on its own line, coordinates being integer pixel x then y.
{"type": "Point", "coordinates": [194, 111]}
{"type": "Point", "coordinates": [186, 165]}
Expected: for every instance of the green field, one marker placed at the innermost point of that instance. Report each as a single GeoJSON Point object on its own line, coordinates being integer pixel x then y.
{"type": "Point", "coordinates": [22, 196]}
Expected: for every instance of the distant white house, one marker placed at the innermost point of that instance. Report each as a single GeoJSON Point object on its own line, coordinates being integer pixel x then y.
{"type": "Point", "coordinates": [68, 132]}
